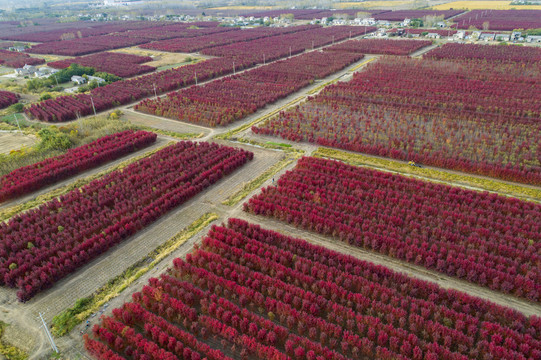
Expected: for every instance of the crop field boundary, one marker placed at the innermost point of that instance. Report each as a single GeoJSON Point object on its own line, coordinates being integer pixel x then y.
{"type": "Point", "coordinates": [173, 134]}
{"type": "Point", "coordinates": [257, 182]}
{"type": "Point", "coordinates": [7, 213]}
{"type": "Point", "coordinates": [64, 322]}
{"type": "Point", "coordinates": [231, 133]}
{"type": "Point", "coordinates": [433, 175]}
{"type": "Point", "coordinates": [524, 306]}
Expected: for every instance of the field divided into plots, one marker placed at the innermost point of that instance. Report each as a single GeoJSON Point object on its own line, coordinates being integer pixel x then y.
{"type": "Point", "coordinates": [479, 116]}
{"type": "Point", "coordinates": [250, 293]}
{"type": "Point", "coordinates": [487, 239]}
{"type": "Point", "coordinates": [45, 244]}
{"type": "Point", "coordinates": [247, 54]}
{"type": "Point", "coordinates": [224, 101]}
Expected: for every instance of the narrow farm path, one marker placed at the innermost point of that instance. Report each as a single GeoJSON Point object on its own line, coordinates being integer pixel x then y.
{"type": "Point", "coordinates": [95, 274]}
{"type": "Point", "coordinates": [423, 51]}
{"type": "Point", "coordinates": [248, 134]}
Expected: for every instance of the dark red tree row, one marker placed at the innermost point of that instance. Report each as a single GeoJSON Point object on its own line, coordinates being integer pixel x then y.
{"type": "Point", "coordinates": [119, 64]}
{"type": "Point", "coordinates": [501, 53]}
{"type": "Point", "coordinates": [43, 245]}
{"type": "Point", "coordinates": [276, 47]}
{"type": "Point", "coordinates": [194, 44]}
{"type": "Point", "coordinates": [469, 115]}
{"type": "Point", "coordinates": [500, 19]}
{"type": "Point", "coordinates": [8, 98]}
{"type": "Point", "coordinates": [257, 294]}
{"type": "Point", "coordinates": [223, 101]}
{"type": "Point", "coordinates": [16, 59]}
{"type": "Point", "coordinates": [55, 31]}
{"type": "Point", "coordinates": [380, 46]}
{"type": "Point", "coordinates": [87, 45]}
{"type": "Point", "coordinates": [33, 177]}
{"type": "Point", "coordinates": [490, 240]}
{"type": "Point", "coordinates": [176, 30]}
{"type": "Point", "coordinates": [65, 108]}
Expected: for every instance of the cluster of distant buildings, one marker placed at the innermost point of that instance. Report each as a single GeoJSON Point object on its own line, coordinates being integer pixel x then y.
{"type": "Point", "coordinates": [80, 80]}
{"type": "Point", "coordinates": [31, 70]}
{"type": "Point", "coordinates": [515, 36]}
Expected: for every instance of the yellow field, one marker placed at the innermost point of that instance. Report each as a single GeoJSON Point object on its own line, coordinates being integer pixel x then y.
{"type": "Point", "coordinates": [479, 5]}
{"type": "Point", "coordinates": [371, 4]}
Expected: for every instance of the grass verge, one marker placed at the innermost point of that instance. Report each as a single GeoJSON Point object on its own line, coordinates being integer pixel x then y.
{"type": "Point", "coordinates": [8, 351]}
{"type": "Point", "coordinates": [442, 176]}
{"type": "Point", "coordinates": [64, 322]}
{"type": "Point", "coordinates": [228, 135]}
{"type": "Point", "coordinates": [7, 213]}
{"type": "Point", "coordinates": [361, 64]}
{"type": "Point", "coordinates": [182, 136]}
{"type": "Point", "coordinates": [258, 181]}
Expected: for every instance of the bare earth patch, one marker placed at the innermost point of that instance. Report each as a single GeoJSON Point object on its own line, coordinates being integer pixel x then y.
{"type": "Point", "coordinates": [14, 141]}
{"type": "Point", "coordinates": [161, 58]}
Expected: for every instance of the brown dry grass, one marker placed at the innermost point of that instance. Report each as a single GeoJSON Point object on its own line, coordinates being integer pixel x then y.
{"type": "Point", "coordinates": [161, 58]}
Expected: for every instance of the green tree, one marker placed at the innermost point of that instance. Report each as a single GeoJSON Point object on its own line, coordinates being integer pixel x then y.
{"type": "Point", "coordinates": [53, 139]}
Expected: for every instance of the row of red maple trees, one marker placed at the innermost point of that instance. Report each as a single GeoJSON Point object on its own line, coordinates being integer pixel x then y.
{"type": "Point", "coordinates": [256, 294]}
{"type": "Point", "coordinates": [8, 98]}
{"type": "Point", "coordinates": [194, 44]}
{"type": "Point", "coordinates": [224, 101]}
{"type": "Point", "coordinates": [45, 244]}
{"type": "Point", "coordinates": [476, 116]}
{"type": "Point", "coordinates": [380, 46]}
{"type": "Point", "coordinates": [490, 240]}
{"type": "Point", "coordinates": [16, 59]}
{"type": "Point", "coordinates": [119, 64]}
{"type": "Point", "coordinates": [33, 177]}
{"type": "Point", "coordinates": [502, 53]}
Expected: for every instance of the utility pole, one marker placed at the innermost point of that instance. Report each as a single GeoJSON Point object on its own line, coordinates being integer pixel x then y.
{"type": "Point", "coordinates": [290, 51]}
{"type": "Point", "coordinates": [263, 59]}
{"type": "Point", "coordinates": [195, 72]}
{"type": "Point", "coordinates": [93, 107]}
{"type": "Point", "coordinates": [333, 39]}
{"type": "Point", "coordinates": [312, 44]}
{"type": "Point", "coordinates": [234, 68]}
{"type": "Point", "coordinates": [155, 94]}
{"type": "Point", "coordinates": [49, 336]}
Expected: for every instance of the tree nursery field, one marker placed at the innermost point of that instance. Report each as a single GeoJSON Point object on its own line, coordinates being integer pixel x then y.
{"type": "Point", "coordinates": [461, 233]}
{"type": "Point", "coordinates": [41, 246]}
{"type": "Point", "coordinates": [270, 184]}
{"type": "Point", "coordinates": [256, 294]}
{"type": "Point", "coordinates": [224, 101]}
{"type": "Point", "coordinates": [450, 110]}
